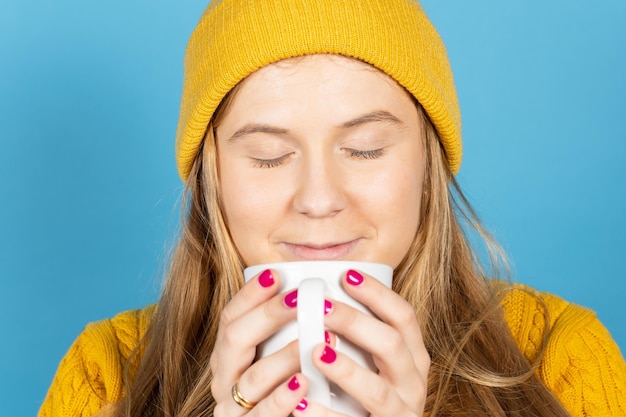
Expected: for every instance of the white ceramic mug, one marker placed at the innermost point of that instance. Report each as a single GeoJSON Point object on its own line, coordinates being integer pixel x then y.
{"type": "Point", "coordinates": [316, 280]}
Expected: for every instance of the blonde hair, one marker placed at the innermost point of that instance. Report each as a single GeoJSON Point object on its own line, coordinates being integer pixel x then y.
{"type": "Point", "coordinates": [477, 369]}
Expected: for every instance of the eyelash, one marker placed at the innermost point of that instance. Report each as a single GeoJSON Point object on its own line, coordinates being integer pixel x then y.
{"type": "Point", "coordinates": [271, 163]}
{"type": "Point", "coordinates": [353, 153]}
{"type": "Point", "coordinates": [372, 154]}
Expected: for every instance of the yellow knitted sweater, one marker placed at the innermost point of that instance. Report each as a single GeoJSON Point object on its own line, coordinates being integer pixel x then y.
{"type": "Point", "coordinates": [582, 365]}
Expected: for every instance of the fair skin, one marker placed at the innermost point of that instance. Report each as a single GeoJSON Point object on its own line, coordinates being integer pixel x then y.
{"type": "Point", "coordinates": [320, 158]}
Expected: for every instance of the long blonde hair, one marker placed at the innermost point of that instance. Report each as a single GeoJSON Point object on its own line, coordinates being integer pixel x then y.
{"type": "Point", "coordinates": [477, 369]}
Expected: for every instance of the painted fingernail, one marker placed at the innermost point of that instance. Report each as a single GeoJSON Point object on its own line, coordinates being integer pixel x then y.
{"type": "Point", "coordinates": [327, 338]}
{"type": "Point", "coordinates": [291, 299]}
{"type": "Point", "coordinates": [293, 384]}
{"type": "Point", "coordinates": [303, 405]}
{"type": "Point", "coordinates": [328, 355]}
{"type": "Point", "coordinates": [354, 278]}
{"type": "Point", "coordinates": [266, 279]}
{"type": "Point", "coordinates": [328, 306]}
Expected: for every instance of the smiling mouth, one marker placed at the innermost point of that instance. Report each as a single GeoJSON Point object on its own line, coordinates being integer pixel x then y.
{"type": "Point", "coordinates": [312, 252]}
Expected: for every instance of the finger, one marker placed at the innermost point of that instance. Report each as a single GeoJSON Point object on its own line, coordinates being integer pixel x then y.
{"type": "Point", "coordinates": [260, 288]}
{"type": "Point", "coordinates": [264, 375]}
{"type": "Point", "coordinates": [286, 398]}
{"type": "Point", "coordinates": [374, 393]}
{"type": "Point", "coordinates": [391, 355]}
{"type": "Point", "coordinates": [391, 308]}
{"type": "Point", "coordinates": [330, 338]}
{"type": "Point", "coordinates": [308, 408]}
{"type": "Point", "coordinates": [236, 345]}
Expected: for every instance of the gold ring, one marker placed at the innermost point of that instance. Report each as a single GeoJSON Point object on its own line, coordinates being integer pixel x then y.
{"type": "Point", "coordinates": [248, 405]}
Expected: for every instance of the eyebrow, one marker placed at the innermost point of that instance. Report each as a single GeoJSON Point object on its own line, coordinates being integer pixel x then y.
{"type": "Point", "coordinates": [251, 128]}
{"type": "Point", "coordinates": [375, 116]}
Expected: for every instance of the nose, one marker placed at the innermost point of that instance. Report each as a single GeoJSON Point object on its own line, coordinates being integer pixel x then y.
{"type": "Point", "coordinates": [321, 189]}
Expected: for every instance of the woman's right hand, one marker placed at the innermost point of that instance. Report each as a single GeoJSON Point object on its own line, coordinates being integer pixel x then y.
{"type": "Point", "coordinates": [254, 314]}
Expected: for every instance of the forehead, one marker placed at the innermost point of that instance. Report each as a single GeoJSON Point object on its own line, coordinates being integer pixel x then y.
{"type": "Point", "coordinates": [311, 80]}
{"type": "Point", "coordinates": [321, 68]}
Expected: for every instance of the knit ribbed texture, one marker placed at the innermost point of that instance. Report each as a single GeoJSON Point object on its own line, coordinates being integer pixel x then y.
{"type": "Point", "coordinates": [90, 376]}
{"type": "Point", "coordinates": [236, 37]}
{"type": "Point", "coordinates": [582, 365]}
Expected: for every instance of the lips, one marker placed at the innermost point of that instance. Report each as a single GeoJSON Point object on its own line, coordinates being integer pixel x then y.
{"type": "Point", "coordinates": [324, 251]}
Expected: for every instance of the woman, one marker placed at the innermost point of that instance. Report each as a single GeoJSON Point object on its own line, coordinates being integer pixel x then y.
{"type": "Point", "coordinates": [331, 130]}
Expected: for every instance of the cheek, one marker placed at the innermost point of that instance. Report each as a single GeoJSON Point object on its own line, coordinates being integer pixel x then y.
{"type": "Point", "coordinates": [230, 189]}
{"type": "Point", "coordinates": [395, 206]}
{"type": "Point", "coordinates": [251, 209]}
{"type": "Point", "coordinates": [238, 205]}
{"type": "Point", "coordinates": [397, 188]}
{"type": "Point", "coordinates": [245, 206]}
{"type": "Point", "coordinates": [407, 213]}
{"type": "Point", "coordinates": [250, 198]}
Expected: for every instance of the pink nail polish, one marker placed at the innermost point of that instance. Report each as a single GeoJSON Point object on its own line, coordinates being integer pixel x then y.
{"type": "Point", "coordinates": [266, 279]}
{"type": "Point", "coordinates": [328, 306]}
{"type": "Point", "coordinates": [303, 405]}
{"type": "Point", "coordinates": [354, 278]}
{"type": "Point", "coordinates": [291, 299]}
{"type": "Point", "coordinates": [328, 355]}
{"type": "Point", "coordinates": [293, 384]}
{"type": "Point", "coordinates": [327, 338]}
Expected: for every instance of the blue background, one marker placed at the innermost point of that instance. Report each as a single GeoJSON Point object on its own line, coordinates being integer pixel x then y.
{"type": "Point", "coordinates": [89, 95]}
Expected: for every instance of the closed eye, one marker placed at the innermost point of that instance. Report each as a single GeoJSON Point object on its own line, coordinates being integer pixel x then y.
{"type": "Point", "coordinates": [369, 154]}
{"type": "Point", "coordinates": [271, 163]}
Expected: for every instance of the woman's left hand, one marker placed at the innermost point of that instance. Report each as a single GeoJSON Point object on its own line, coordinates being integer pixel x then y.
{"type": "Point", "coordinates": [395, 341]}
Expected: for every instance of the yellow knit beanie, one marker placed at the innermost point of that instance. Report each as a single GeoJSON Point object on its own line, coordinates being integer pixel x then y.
{"type": "Point", "coordinates": [236, 37]}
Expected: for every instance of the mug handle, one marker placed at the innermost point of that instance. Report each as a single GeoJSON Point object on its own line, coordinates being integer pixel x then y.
{"type": "Point", "coordinates": [311, 334]}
